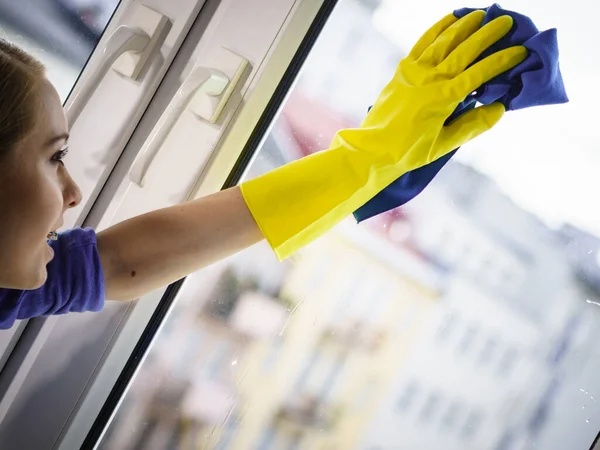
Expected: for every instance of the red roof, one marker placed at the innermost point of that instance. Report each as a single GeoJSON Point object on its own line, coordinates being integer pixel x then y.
{"type": "Point", "coordinates": [313, 126]}
{"type": "Point", "coordinates": [312, 123]}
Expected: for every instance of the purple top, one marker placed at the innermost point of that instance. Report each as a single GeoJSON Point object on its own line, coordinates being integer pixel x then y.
{"type": "Point", "coordinates": [75, 282]}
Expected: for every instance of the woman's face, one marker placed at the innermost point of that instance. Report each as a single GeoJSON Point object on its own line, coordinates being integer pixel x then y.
{"type": "Point", "coordinates": [35, 191]}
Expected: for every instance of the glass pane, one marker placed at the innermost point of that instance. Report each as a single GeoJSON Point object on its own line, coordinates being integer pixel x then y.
{"type": "Point", "coordinates": [466, 320]}
{"type": "Point", "coordinates": [60, 33]}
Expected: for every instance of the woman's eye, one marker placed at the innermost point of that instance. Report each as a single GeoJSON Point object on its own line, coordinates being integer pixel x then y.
{"type": "Point", "coordinates": [60, 155]}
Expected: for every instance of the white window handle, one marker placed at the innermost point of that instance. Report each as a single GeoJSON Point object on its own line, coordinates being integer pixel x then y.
{"type": "Point", "coordinates": [202, 81]}
{"type": "Point", "coordinates": [125, 39]}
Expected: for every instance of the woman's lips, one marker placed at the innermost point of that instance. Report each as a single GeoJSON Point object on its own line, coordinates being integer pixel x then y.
{"type": "Point", "coordinates": [51, 251]}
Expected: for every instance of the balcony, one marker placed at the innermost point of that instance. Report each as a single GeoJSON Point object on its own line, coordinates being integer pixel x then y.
{"type": "Point", "coordinates": [257, 316]}
{"type": "Point", "coordinates": [241, 307]}
{"type": "Point", "coordinates": [354, 335]}
{"type": "Point", "coordinates": [208, 401]}
{"type": "Point", "coordinates": [308, 411]}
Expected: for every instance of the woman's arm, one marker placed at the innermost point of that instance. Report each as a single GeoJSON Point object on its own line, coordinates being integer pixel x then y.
{"type": "Point", "coordinates": [300, 201]}
{"type": "Point", "coordinates": [155, 249]}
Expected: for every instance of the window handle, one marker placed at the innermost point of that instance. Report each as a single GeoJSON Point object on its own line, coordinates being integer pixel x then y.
{"type": "Point", "coordinates": [192, 93]}
{"type": "Point", "coordinates": [128, 50]}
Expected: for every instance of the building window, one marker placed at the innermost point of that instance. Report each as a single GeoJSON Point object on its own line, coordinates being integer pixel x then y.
{"type": "Point", "coordinates": [448, 247]}
{"type": "Point", "coordinates": [294, 442]}
{"type": "Point", "coordinates": [488, 350]}
{"type": "Point", "coordinates": [318, 274]}
{"type": "Point", "coordinates": [472, 425]}
{"type": "Point", "coordinates": [352, 44]}
{"type": "Point", "coordinates": [447, 326]}
{"type": "Point", "coordinates": [335, 373]}
{"type": "Point", "coordinates": [218, 360]}
{"type": "Point", "coordinates": [307, 370]}
{"type": "Point", "coordinates": [266, 439]}
{"type": "Point", "coordinates": [227, 435]}
{"type": "Point", "coordinates": [453, 414]}
{"type": "Point", "coordinates": [430, 407]}
{"type": "Point", "coordinates": [273, 355]}
{"type": "Point", "coordinates": [407, 320]}
{"type": "Point", "coordinates": [407, 398]}
{"type": "Point", "coordinates": [507, 362]}
{"type": "Point", "coordinates": [349, 294]}
{"type": "Point", "coordinates": [187, 357]}
{"type": "Point", "coordinates": [467, 339]}
{"type": "Point", "coordinates": [365, 394]}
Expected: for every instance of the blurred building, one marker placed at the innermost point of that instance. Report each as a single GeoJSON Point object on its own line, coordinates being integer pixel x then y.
{"type": "Point", "coordinates": [354, 316]}
{"type": "Point", "coordinates": [506, 321]}
{"type": "Point", "coordinates": [331, 76]}
{"type": "Point", "coordinates": [494, 254]}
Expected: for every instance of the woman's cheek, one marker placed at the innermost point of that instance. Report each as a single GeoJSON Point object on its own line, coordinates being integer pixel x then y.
{"type": "Point", "coordinates": [53, 193]}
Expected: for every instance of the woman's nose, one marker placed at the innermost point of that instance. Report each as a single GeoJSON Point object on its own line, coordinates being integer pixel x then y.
{"type": "Point", "coordinates": [71, 192]}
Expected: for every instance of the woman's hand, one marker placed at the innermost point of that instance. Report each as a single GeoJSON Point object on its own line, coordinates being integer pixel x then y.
{"type": "Point", "coordinates": [404, 130]}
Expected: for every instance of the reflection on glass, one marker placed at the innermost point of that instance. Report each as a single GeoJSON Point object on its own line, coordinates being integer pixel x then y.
{"type": "Point", "coordinates": [461, 321]}
{"type": "Point", "coordinates": [60, 33]}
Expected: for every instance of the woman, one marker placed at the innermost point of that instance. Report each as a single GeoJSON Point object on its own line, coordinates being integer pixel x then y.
{"type": "Point", "coordinates": [44, 273]}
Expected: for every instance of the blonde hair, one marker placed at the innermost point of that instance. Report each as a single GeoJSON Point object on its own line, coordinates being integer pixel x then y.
{"type": "Point", "coordinates": [20, 77]}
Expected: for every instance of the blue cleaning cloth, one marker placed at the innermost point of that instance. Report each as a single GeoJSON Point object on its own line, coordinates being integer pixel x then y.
{"type": "Point", "coordinates": [536, 81]}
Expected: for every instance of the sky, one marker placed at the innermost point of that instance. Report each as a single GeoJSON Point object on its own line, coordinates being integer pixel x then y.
{"type": "Point", "coordinates": [547, 159]}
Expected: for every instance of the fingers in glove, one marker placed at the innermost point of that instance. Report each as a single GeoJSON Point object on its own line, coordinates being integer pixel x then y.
{"type": "Point", "coordinates": [431, 35]}
{"type": "Point", "coordinates": [451, 38]}
{"type": "Point", "coordinates": [490, 67]}
{"type": "Point", "coordinates": [468, 51]}
{"type": "Point", "coordinates": [467, 127]}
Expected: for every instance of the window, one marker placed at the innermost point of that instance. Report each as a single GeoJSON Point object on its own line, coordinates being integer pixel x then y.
{"type": "Point", "coordinates": [408, 397]}
{"type": "Point", "coordinates": [508, 362]}
{"type": "Point", "coordinates": [266, 439]}
{"type": "Point", "coordinates": [329, 387]}
{"type": "Point", "coordinates": [353, 42]}
{"type": "Point", "coordinates": [468, 339]}
{"type": "Point", "coordinates": [430, 408]}
{"type": "Point", "coordinates": [307, 369]}
{"type": "Point", "coordinates": [227, 435]}
{"type": "Point", "coordinates": [273, 355]}
{"type": "Point", "coordinates": [407, 320]}
{"type": "Point", "coordinates": [449, 330]}
{"type": "Point", "coordinates": [187, 358]}
{"type": "Point", "coordinates": [472, 425]}
{"type": "Point", "coordinates": [488, 350]}
{"type": "Point", "coordinates": [453, 414]}
{"type": "Point", "coordinates": [364, 395]}
{"type": "Point", "coordinates": [318, 274]}
{"type": "Point", "coordinates": [350, 294]}
{"type": "Point", "coordinates": [448, 324]}
{"type": "Point", "coordinates": [146, 435]}
{"type": "Point", "coordinates": [219, 359]}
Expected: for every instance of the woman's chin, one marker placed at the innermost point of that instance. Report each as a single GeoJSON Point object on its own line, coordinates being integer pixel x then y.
{"type": "Point", "coordinates": [40, 273]}
{"type": "Point", "coordinates": [30, 274]}
{"type": "Point", "coordinates": [37, 280]}
{"type": "Point", "coordinates": [34, 279]}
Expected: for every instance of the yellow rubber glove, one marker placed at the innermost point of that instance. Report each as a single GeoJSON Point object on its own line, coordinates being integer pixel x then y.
{"type": "Point", "coordinates": [297, 203]}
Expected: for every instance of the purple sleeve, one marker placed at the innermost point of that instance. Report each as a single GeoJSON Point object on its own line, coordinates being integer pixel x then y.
{"type": "Point", "coordinates": [75, 282]}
